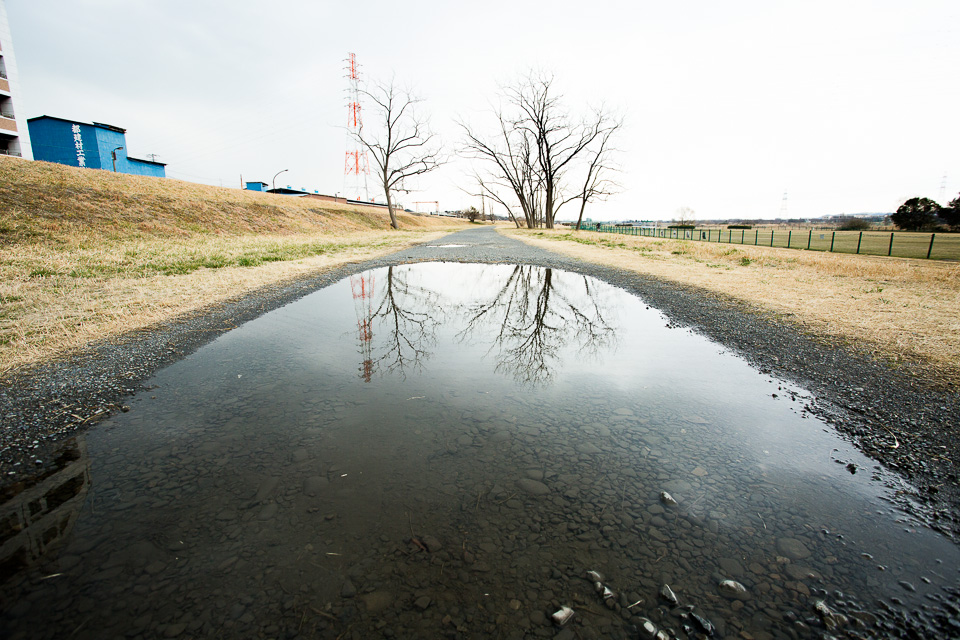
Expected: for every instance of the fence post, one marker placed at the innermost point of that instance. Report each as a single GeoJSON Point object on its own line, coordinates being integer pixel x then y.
{"type": "Point", "coordinates": [756, 238]}
{"type": "Point", "coordinates": [771, 236]}
{"type": "Point", "coordinates": [789, 236]}
{"type": "Point", "coordinates": [833, 237]}
{"type": "Point", "coordinates": [930, 248]}
{"type": "Point", "coordinates": [859, 240]}
{"type": "Point", "coordinates": [890, 250]}
{"type": "Point", "coordinates": [809, 238]}
{"type": "Point", "coordinates": [742, 233]}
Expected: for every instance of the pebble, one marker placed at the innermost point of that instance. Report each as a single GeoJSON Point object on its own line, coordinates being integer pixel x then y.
{"type": "Point", "coordinates": [562, 616]}
{"type": "Point", "coordinates": [646, 627]}
{"type": "Point", "coordinates": [433, 545]}
{"type": "Point", "coordinates": [533, 487]}
{"type": "Point", "coordinates": [792, 548]}
{"type": "Point", "coordinates": [668, 595]}
{"type": "Point", "coordinates": [348, 590]}
{"type": "Point", "coordinates": [733, 590]}
{"type": "Point", "coordinates": [376, 601]}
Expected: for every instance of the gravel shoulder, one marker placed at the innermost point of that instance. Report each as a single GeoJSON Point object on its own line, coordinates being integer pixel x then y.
{"type": "Point", "coordinates": [896, 417]}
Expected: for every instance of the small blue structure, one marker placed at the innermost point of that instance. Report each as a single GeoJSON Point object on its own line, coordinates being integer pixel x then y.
{"type": "Point", "coordinates": [94, 146]}
{"type": "Point", "coordinates": [257, 186]}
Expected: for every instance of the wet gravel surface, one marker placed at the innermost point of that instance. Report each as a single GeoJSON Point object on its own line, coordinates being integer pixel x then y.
{"type": "Point", "coordinates": [894, 416]}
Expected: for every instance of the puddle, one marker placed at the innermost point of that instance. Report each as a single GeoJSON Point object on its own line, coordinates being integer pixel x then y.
{"type": "Point", "coordinates": [438, 449]}
{"type": "Point", "coordinates": [444, 246]}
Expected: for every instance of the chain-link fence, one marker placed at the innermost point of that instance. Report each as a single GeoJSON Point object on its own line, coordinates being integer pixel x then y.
{"type": "Point", "coordinates": [903, 244]}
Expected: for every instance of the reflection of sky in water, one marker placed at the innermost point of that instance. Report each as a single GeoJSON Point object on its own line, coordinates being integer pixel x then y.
{"type": "Point", "coordinates": [574, 361]}
{"type": "Point", "coordinates": [641, 363]}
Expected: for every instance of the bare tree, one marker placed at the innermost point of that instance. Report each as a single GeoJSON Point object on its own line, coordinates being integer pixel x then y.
{"type": "Point", "coordinates": [685, 215]}
{"type": "Point", "coordinates": [407, 319]}
{"type": "Point", "coordinates": [535, 146]}
{"type": "Point", "coordinates": [490, 188]}
{"type": "Point", "coordinates": [514, 174]}
{"type": "Point", "coordinates": [596, 184]}
{"type": "Point", "coordinates": [539, 313]}
{"type": "Point", "coordinates": [400, 142]}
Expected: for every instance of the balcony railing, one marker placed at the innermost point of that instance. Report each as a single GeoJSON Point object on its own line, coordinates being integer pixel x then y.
{"type": "Point", "coordinates": [8, 114]}
{"type": "Point", "coordinates": [8, 152]}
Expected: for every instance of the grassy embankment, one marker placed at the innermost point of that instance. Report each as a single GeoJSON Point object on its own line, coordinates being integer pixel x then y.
{"type": "Point", "coordinates": [901, 311]}
{"type": "Point", "coordinates": [90, 254]}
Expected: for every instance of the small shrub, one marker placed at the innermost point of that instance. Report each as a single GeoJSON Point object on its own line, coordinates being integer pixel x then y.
{"type": "Point", "coordinates": [853, 224]}
{"type": "Point", "coordinates": [745, 261]}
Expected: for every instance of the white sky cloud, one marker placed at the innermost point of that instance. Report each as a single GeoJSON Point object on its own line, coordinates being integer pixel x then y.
{"type": "Point", "coordinates": [848, 106]}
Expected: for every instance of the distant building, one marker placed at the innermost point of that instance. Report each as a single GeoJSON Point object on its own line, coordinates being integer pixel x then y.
{"type": "Point", "coordinates": [290, 191]}
{"type": "Point", "coordinates": [14, 140]}
{"type": "Point", "coordinates": [81, 144]}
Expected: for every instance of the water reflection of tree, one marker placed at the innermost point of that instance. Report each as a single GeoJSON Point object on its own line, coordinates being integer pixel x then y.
{"type": "Point", "coordinates": [407, 317]}
{"type": "Point", "coordinates": [539, 312]}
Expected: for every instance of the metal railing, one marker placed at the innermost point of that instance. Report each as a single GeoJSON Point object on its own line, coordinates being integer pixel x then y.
{"type": "Point", "coordinates": [901, 244]}
{"type": "Point", "coordinates": [9, 152]}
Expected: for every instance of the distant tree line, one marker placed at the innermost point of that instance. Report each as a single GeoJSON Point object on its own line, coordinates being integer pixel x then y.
{"type": "Point", "coordinates": [923, 214]}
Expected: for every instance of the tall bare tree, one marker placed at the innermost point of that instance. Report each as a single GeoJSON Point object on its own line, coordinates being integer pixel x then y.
{"type": "Point", "coordinates": [539, 313]}
{"type": "Point", "coordinates": [597, 184]}
{"type": "Point", "coordinates": [399, 140]}
{"type": "Point", "coordinates": [534, 148]}
{"type": "Point", "coordinates": [407, 318]}
{"type": "Point", "coordinates": [685, 216]}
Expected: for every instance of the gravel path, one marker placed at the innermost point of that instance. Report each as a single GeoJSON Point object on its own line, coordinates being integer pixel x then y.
{"type": "Point", "coordinates": [893, 417]}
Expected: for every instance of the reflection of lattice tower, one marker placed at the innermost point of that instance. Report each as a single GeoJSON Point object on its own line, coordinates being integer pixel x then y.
{"type": "Point", "coordinates": [943, 189]}
{"type": "Point", "coordinates": [356, 168]}
{"type": "Point", "coordinates": [362, 287]}
{"type": "Point", "coordinates": [783, 206]}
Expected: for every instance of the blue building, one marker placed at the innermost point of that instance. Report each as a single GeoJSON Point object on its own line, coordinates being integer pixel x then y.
{"type": "Point", "coordinates": [79, 144]}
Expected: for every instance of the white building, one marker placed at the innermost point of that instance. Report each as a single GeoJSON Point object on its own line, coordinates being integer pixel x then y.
{"type": "Point", "coordinates": [14, 137]}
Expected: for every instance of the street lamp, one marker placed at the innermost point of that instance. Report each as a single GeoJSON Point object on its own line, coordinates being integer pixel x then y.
{"type": "Point", "coordinates": [114, 154]}
{"type": "Point", "coordinates": [274, 181]}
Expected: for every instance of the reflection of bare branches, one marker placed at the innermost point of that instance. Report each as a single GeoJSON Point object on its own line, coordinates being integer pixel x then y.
{"type": "Point", "coordinates": [538, 312]}
{"type": "Point", "coordinates": [409, 315]}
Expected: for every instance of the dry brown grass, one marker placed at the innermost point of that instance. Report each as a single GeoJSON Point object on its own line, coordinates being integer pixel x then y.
{"type": "Point", "coordinates": [86, 255]}
{"type": "Point", "coordinates": [895, 309]}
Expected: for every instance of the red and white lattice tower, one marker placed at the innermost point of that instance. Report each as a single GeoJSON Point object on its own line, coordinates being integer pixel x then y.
{"type": "Point", "coordinates": [356, 168]}
{"type": "Point", "coordinates": [362, 287]}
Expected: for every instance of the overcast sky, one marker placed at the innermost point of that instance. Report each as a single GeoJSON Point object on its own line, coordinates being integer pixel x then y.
{"type": "Point", "coordinates": [846, 106]}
